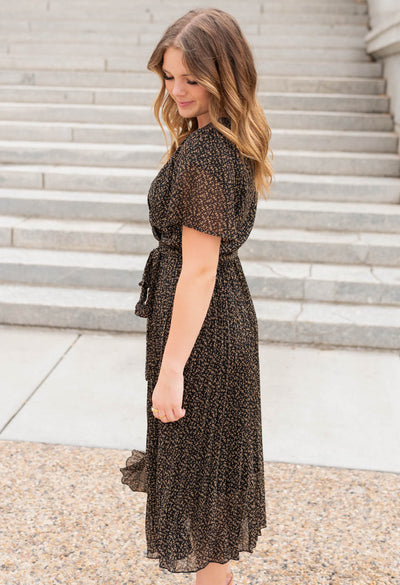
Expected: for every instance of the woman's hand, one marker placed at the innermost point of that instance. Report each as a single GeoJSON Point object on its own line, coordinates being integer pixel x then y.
{"type": "Point", "coordinates": [168, 395]}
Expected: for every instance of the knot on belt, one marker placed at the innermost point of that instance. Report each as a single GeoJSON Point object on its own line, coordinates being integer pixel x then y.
{"type": "Point", "coordinates": [148, 283]}
{"type": "Point", "coordinates": [144, 306]}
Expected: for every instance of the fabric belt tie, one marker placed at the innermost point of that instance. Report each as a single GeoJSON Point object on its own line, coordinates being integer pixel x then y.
{"type": "Point", "coordinates": [148, 283]}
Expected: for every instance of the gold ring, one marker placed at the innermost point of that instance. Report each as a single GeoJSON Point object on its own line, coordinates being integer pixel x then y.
{"type": "Point", "coordinates": [156, 410]}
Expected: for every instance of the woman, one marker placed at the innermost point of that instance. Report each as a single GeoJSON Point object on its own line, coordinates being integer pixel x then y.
{"type": "Point", "coordinates": [203, 466]}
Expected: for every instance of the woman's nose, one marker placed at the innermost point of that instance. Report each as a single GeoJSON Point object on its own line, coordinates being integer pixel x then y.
{"type": "Point", "coordinates": [178, 89]}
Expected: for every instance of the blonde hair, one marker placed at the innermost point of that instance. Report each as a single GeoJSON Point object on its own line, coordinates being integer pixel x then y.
{"type": "Point", "coordinates": [217, 54]}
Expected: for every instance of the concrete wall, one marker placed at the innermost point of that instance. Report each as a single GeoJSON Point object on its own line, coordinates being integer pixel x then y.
{"type": "Point", "coordinates": [383, 43]}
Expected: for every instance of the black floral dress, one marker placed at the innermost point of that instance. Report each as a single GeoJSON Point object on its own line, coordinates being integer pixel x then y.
{"type": "Point", "coordinates": [204, 473]}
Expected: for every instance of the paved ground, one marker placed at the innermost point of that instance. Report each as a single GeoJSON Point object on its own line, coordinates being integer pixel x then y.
{"type": "Point", "coordinates": [66, 518]}
{"type": "Point", "coordinates": [331, 407]}
{"type": "Point", "coordinates": [73, 405]}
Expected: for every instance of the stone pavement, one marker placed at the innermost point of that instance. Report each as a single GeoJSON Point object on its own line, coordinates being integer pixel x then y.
{"type": "Point", "coordinates": [335, 407]}
{"type": "Point", "coordinates": [67, 519]}
{"type": "Point", "coordinates": [73, 405]}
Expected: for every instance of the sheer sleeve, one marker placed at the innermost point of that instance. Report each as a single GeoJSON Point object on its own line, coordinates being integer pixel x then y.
{"type": "Point", "coordinates": [203, 190]}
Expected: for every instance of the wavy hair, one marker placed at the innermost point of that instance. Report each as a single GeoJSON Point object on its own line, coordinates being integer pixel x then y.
{"type": "Point", "coordinates": [219, 58]}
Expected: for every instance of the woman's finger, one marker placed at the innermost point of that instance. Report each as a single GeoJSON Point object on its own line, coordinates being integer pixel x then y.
{"type": "Point", "coordinates": [163, 416]}
{"type": "Point", "coordinates": [157, 413]}
{"type": "Point", "coordinates": [171, 415]}
{"type": "Point", "coordinates": [179, 412]}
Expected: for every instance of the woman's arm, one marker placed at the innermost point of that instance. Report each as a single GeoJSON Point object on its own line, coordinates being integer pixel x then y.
{"type": "Point", "coordinates": [194, 289]}
{"type": "Point", "coordinates": [200, 253]}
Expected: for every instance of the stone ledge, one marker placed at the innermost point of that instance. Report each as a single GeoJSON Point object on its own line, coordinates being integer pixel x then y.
{"type": "Point", "coordinates": [384, 40]}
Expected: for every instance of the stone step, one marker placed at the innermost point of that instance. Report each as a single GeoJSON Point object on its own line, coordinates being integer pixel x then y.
{"type": "Point", "coordinates": [311, 187]}
{"type": "Point", "coordinates": [280, 17]}
{"type": "Point", "coordinates": [266, 7]}
{"type": "Point", "coordinates": [26, 5]}
{"type": "Point", "coordinates": [76, 204]}
{"type": "Point", "coordinates": [81, 308]}
{"type": "Point", "coordinates": [110, 80]}
{"type": "Point", "coordinates": [143, 97]}
{"type": "Point", "coordinates": [74, 50]}
{"type": "Point", "coordinates": [327, 324]}
{"type": "Point", "coordinates": [340, 6]}
{"type": "Point", "coordinates": [321, 282]}
{"type": "Point", "coordinates": [306, 54]}
{"type": "Point", "coordinates": [328, 215]}
{"type": "Point", "coordinates": [159, 12]}
{"type": "Point", "coordinates": [149, 156]}
{"type": "Point", "coordinates": [320, 102]}
{"type": "Point", "coordinates": [21, 41]}
{"type": "Point", "coordinates": [87, 154]}
{"type": "Point", "coordinates": [299, 40]}
{"type": "Point", "coordinates": [291, 245]}
{"type": "Point", "coordinates": [276, 280]}
{"type": "Point", "coordinates": [156, 12]}
{"type": "Point", "coordinates": [117, 114]}
{"type": "Point", "coordinates": [137, 181]}
{"type": "Point", "coordinates": [264, 66]}
{"type": "Point", "coordinates": [295, 67]}
{"type": "Point", "coordinates": [150, 33]}
{"type": "Point", "coordinates": [76, 133]}
{"type": "Point", "coordinates": [274, 213]}
{"type": "Point", "coordinates": [158, 18]}
{"type": "Point", "coordinates": [296, 245]}
{"type": "Point", "coordinates": [334, 162]}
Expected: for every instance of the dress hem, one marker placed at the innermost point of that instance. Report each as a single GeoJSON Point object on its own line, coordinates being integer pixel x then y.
{"type": "Point", "coordinates": [232, 556]}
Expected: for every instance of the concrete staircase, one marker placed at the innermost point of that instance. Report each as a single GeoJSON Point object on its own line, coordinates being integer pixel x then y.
{"type": "Point", "coordinates": [79, 148]}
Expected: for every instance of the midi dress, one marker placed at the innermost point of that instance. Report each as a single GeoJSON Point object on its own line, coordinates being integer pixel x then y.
{"type": "Point", "coordinates": [204, 473]}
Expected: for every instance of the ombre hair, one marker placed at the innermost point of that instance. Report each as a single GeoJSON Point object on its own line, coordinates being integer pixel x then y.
{"type": "Point", "coordinates": [219, 58]}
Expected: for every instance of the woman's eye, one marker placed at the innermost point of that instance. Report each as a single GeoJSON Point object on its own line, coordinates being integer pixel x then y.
{"type": "Point", "coordinates": [169, 79]}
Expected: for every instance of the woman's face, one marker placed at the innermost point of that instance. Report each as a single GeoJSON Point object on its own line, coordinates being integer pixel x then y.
{"type": "Point", "coordinates": [192, 99]}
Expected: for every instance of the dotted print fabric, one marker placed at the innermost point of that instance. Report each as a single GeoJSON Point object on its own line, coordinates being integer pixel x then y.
{"type": "Point", "coordinates": [203, 474]}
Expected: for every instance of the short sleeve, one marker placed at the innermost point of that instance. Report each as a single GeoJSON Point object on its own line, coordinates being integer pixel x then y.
{"type": "Point", "coordinates": [203, 190]}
